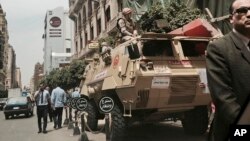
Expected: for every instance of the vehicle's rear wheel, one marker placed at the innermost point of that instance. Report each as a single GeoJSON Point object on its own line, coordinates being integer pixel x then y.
{"type": "Point", "coordinates": [92, 119]}
{"type": "Point", "coordinates": [117, 125]}
{"type": "Point", "coordinates": [27, 114]}
{"type": "Point", "coordinates": [196, 121]}
{"type": "Point", "coordinates": [6, 116]}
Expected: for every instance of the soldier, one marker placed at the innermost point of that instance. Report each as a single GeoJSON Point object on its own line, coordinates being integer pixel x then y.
{"type": "Point", "coordinates": [105, 47]}
{"type": "Point", "coordinates": [126, 26]}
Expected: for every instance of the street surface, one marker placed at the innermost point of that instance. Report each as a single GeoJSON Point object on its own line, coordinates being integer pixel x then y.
{"type": "Point", "coordinates": [25, 129]}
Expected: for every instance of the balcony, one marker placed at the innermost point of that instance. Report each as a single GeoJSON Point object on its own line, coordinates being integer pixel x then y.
{"type": "Point", "coordinates": [111, 25]}
{"type": "Point", "coordinates": [73, 9]}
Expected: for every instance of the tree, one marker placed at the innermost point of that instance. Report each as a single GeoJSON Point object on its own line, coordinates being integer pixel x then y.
{"type": "Point", "coordinates": [67, 77]}
{"type": "Point", "coordinates": [174, 14]}
{"type": "Point", "coordinates": [76, 70]}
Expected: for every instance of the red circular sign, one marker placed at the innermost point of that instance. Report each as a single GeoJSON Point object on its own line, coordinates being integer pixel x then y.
{"type": "Point", "coordinates": [55, 22]}
{"type": "Point", "coordinates": [115, 61]}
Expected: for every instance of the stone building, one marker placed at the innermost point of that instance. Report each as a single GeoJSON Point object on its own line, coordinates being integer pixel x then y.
{"type": "Point", "coordinates": [37, 76]}
{"type": "Point", "coordinates": [4, 37]}
{"type": "Point", "coordinates": [57, 39]}
{"type": "Point", "coordinates": [10, 81]}
{"type": "Point", "coordinates": [93, 20]}
{"type": "Point", "coordinates": [18, 78]}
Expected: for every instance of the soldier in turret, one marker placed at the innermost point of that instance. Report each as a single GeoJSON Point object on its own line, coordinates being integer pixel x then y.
{"type": "Point", "coordinates": [126, 25]}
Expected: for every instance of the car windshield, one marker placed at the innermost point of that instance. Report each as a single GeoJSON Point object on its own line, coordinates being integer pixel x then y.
{"type": "Point", "coordinates": [25, 93]}
{"type": "Point", "coordinates": [17, 100]}
{"type": "Point", "coordinates": [157, 48]}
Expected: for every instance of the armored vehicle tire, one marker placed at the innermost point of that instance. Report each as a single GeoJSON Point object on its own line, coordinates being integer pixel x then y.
{"type": "Point", "coordinates": [117, 126]}
{"type": "Point", "coordinates": [196, 121]}
{"type": "Point", "coordinates": [92, 119]}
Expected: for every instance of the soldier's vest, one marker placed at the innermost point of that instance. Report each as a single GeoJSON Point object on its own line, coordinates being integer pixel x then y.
{"type": "Point", "coordinates": [130, 26]}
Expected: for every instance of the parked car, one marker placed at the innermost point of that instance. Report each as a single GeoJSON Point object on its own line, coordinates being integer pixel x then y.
{"type": "Point", "coordinates": [2, 102]}
{"type": "Point", "coordinates": [17, 106]}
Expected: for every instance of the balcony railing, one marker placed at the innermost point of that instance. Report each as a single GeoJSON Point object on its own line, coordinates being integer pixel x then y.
{"type": "Point", "coordinates": [111, 25]}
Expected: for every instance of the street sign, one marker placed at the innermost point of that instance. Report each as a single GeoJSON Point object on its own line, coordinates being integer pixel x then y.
{"type": "Point", "coordinates": [73, 102]}
{"type": "Point", "coordinates": [94, 45]}
{"type": "Point", "coordinates": [81, 104]}
{"type": "Point", "coordinates": [106, 104]}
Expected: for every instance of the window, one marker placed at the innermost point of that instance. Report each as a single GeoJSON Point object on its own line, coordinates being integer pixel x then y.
{"type": "Point", "coordinates": [68, 50]}
{"type": "Point", "coordinates": [86, 38]}
{"type": "Point", "coordinates": [99, 29]}
{"type": "Point", "coordinates": [157, 48]}
{"type": "Point", "coordinates": [81, 44]}
{"type": "Point", "coordinates": [76, 47]}
{"type": "Point", "coordinates": [194, 48]}
{"type": "Point", "coordinates": [91, 33]}
{"type": "Point", "coordinates": [107, 14]}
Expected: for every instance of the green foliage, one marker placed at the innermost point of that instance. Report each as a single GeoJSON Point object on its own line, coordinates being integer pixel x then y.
{"type": "Point", "coordinates": [175, 15]}
{"type": "Point", "coordinates": [3, 93]}
{"type": "Point", "coordinates": [76, 70]}
{"type": "Point", "coordinates": [67, 77]}
{"type": "Point", "coordinates": [110, 40]}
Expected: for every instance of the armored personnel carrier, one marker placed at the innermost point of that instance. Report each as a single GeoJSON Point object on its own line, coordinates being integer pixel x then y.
{"type": "Point", "coordinates": [160, 77]}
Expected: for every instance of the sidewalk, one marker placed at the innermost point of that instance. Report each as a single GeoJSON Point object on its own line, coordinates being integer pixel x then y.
{"type": "Point", "coordinates": [65, 134]}
{"type": "Point", "coordinates": [62, 134]}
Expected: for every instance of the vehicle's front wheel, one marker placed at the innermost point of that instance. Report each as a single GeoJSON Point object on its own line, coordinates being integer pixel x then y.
{"type": "Point", "coordinates": [6, 116]}
{"type": "Point", "coordinates": [117, 127]}
{"type": "Point", "coordinates": [27, 114]}
{"type": "Point", "coordinates": [92, 119]}
{"type": "Point", "coordinates": [196, 120]}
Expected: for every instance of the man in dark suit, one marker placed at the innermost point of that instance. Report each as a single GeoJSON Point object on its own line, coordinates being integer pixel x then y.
{"type": "Point", "coordinates": [42, 99]}
{"type": "Point", "coordinates": [228, 70]}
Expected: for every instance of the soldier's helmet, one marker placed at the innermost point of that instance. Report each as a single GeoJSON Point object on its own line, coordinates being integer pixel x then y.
{"type": "Point", "coordinates": [126, 11]}
{"type": "Point", "coordinates": [104, 44]}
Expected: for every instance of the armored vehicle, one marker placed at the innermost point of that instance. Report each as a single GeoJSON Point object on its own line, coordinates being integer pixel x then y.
{"type": "Point", "coordinates": [153, 77]}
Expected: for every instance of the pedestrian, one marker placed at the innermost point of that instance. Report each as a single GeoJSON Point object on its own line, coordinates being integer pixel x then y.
{"type": "Point", "coordinates": [42, 99]}
{"type": "Point", "coordinates": [50, 109]}
{"type": "Point", "coordinates": [76, 94]}
{"type": "Point", "coordinates": [58, 101]}
{"type": "Point", "coordinates": [228, 67]}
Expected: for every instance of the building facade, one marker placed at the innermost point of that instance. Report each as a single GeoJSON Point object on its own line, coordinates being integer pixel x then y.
{"type": "Point", "coordinates": [57, 39]}
{"type": "Point", "coordinates": [37, 76]}
{"type": "Point", "coordinates": [10, 81]}
{"type": "Point", "coordinates": [4, 45]}
{"type": "Point", "coordinates": [18, 78]}
{"type": "Point", "coordinates": [93, 19]}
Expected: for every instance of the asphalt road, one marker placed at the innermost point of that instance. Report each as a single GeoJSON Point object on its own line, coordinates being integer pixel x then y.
{"type": "Point", "coordinates": [163, 131]}
{"type": "Point", "coordinates": [25, 129]}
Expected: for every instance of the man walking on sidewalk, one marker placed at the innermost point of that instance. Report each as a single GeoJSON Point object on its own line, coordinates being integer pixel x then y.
{"type": "Point", "coordinates": [42, 99]}
{"type": "Point", "coordinates": [58, 99]}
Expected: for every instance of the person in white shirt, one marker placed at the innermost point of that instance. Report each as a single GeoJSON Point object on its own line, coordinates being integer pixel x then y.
{"type": "Point", "coordinates": [42, 99]}
{"type": "Point", "coordinates": [58, 101]}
